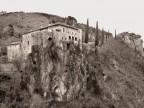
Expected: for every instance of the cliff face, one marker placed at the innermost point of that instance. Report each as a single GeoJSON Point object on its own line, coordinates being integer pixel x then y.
{"type": "Point", "coordinates": [69, 77]}
{"type": "Point", "coordinates": [132, 40]}
{"type": "Point", "coordinates": [112, 77]}
{"type": "Point", "coordinates": [63, 72]}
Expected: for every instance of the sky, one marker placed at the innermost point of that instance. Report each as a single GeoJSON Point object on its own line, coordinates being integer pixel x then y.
{"type": "Point", "coordinates": [122, 15]}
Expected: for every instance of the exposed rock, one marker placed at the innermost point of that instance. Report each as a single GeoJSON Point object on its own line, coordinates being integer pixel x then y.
{"type": "Point", "coordinates": [132, 40]}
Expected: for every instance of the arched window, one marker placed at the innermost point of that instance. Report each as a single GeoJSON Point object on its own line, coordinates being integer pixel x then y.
{"type": "Point", "coordinates": [69, 37]}
{"type": "Point", "coordinates": [50, 38]}
{"type": "Point", "coordinates": [75, 38]}
{"type": "Point", "coordinates": [72, 38]}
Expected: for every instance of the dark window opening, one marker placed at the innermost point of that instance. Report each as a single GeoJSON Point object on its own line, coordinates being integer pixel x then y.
{"type": "Point", "coordinates": [50, 38]}
{"type": "Point", "coordinates": [69, 37]}
{"type": "Point", "coordinates": [72, 38]}
{"type": "Point", "coordinates": [28, 42]}
{"type": "Point", "coordinates": [58, 30]}
{"type": "Point", "coordinates": [75, 38]}
{"type": "Point", "coordinates": [62, 38]}
{"type": "Point", "coordinates": [34, 62]}
{"type": "Point", "coordinates": [65, 38]}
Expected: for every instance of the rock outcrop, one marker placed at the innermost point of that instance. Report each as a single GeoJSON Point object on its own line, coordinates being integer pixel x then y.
{"type": "Point", "coordinates": [132, 40]}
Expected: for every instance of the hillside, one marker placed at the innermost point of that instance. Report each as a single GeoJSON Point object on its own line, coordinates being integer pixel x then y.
{"type": "Point", "coordinates": [24, 22]}
{"type": "Point", "coordinates": [66, 75]}
{"type": "Point", "coordinates": [111, 78]}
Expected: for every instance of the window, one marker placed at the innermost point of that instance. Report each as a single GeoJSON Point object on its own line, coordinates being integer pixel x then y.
{"type": "Point", "coordinates": [69, 37]}
{"type": "Point", "coordinates": [58, 30]}
{"type": "Point", "coordinates": [28, 42]}
{"type": "Point", "coordinates": [65, 38]}
{"type": "Point", "coordinates": [62, 38]}
{"type": "Point", "coordinates": [75, 38]}
{"type": "Point", "coordinates": [50, 38]}
{"type": "Point", "coordinates": [63, 30]}
{"type": "Point", "coordinates": [72, 38]}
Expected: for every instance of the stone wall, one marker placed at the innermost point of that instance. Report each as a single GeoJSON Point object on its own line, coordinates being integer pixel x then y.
{"type": "Point", "coordinates": [39, 37]}
{"type": "Point", "coordinates": [7, 67]}
{"type": "Point", "coordinates": [62, 33]}
{"type": "Point", "coordinates": [14, 51]}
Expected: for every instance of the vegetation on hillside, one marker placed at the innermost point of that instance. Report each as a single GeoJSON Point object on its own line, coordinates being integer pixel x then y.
{"type": "Point", "coordinates": [66, 75]}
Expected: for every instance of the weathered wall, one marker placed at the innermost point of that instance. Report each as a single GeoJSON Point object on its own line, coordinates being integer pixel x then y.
{"type": "Point", "coordinates": [62, 33]}
{"type": "Point", "coordinates": [39, 37]}
{"type": "Point", "coordinates": [7, 67]}
{"type": "Point", "coordinates": [13, 51]}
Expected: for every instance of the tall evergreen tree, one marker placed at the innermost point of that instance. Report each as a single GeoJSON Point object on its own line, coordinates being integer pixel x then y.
{"type": "Point", "coordinates": [87, 32]}
{"type": "Point", "coordinates": [115, 33]}
{"type": "Point", "coordinates": [102, 39]}
{"type": "Point", "coordinates": [11, 30]}
{"type": "Point", "coordinates": [96, 35]}
{"type": "Point", "coordinates": [108, 34]}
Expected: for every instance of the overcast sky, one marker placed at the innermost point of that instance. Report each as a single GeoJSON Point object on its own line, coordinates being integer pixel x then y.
{"type": "Point", "coordinates": [124, 15]}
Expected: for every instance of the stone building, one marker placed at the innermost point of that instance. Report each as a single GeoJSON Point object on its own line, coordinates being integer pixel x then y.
{"type": "Point", "coordinates": [63, 32]}
{"type": "Point", "coordinates": [58, 32]}
{"type": "Point", "coordinates": [37, 37]}
{"type": "Point", "coordinates": [14, 51]}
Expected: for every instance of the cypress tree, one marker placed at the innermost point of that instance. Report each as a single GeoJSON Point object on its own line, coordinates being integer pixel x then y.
{"type": "Point", "coordinates": [96, 35]}
{"type": "Point", "coordinates": [87, 32]}
{"type": "Point", "coordinates": [108, 34]}
{"type": "Point", "coordinates": [102, 39]}
{"type": "Point", "coordinates": [115, 33]}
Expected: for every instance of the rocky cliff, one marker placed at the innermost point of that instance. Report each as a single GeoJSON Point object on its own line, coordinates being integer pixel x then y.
{"type": "Point", "coordinates": [132, 40]}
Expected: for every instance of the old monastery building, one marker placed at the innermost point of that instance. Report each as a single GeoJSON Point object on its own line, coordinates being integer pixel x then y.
{"type": "Point", "coordinates": [59, 32]}
{"type": "Point", "coordinates": [14, 50]}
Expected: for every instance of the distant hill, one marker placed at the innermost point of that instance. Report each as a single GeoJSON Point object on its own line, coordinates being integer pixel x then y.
{"type": "Point", "coordinates": [25, 22]}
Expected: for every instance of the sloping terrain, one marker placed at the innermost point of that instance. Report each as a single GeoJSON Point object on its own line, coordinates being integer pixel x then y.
{"type": "Point", "coordinates": [113, 78]}
{"type": "Point", "coordinates": [20, 22]}
{"type": "Point", "coordinates": [109, 76]}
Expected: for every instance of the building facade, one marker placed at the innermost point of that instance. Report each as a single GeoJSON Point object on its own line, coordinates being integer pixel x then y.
{"type": "Point", "coordinates": [63, 32]}
{"type": "Point", "coordinates": [14, 51]}
{"type": "Point", "coordinates": [37, 37]}
{"type": "Point", "coordinates": [58, 32]}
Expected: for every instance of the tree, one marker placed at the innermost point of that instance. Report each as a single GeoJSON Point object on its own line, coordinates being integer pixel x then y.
{"type": "Point", "coordinates": [102, 39]}
{"type": "Point", "coordinates": [96, 35]}
{"type": "Point", "coordinates": [115, 33]}
{"type": "Point", "coordinates": [87, 32]}
{"type": "Point", "coordinates": [108, 35]}
{"type": "Point", "coordinates": [71, 20]}
{"type": "Point", "coordinates": [17, 63]}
